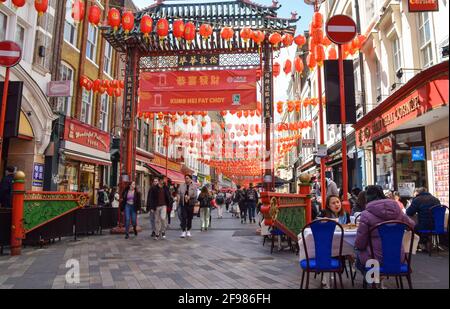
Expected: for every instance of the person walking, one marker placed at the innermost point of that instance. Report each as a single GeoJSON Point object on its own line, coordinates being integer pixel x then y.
{"type": "Point", "coordinates": [131, 204]}
{"type": "Point", "coordinates": [205, 199]}
{"type": "Point", "coordinates": [149, 208]}
{"type": "Point", "coordinates": [332, 188]}
{"type": "Point", "coordinates": [251, 198]}
{"type": "Point", "coordinates": [188, 197]}
{"type": "Point", "coordinates": [103, 198]}
{"type": "Point", "coordinates": [115, 198]}
{"type": "Point", "coordinates": [6, 187]}
{"type": "Point", "coordinates": [241, 201]}
{"type": "Point", "coordinates": [220, 202]}
{"type": "Point", "coordinates": [159, 199]}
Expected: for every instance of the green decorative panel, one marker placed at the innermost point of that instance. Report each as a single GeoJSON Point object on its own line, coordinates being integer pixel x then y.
{"type": "Point", "coordinates": [38, 212]}
{"type": "Point", "coordinates": [293, 218]}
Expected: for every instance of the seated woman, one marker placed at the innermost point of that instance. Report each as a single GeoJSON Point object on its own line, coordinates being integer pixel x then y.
{"type": "Point", "coordinates": [334, 210]}
{"type": "Point", "coordinates": [379, 209]}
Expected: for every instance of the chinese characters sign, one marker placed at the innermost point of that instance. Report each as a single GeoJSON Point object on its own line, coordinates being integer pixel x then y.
{"type": "Point", "coordinates": [423, 5]}
{"type": "Point", "coordinates": [198, 91]}
{"type": "Point", "coordinates": [38, 175]}
{"type": "Point", "coordinates": [80, 133]}
{"type": "Point", "coordinates": [198, 60]}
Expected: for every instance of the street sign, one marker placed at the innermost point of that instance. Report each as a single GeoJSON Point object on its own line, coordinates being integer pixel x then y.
{"type": "Point", "coordinates": [341, 29]}
{"type": "Point", "coordinates": [10, 54]}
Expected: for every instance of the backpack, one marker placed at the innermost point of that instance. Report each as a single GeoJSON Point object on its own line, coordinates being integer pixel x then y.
{"type": "Point", "coordinates": [251, 195]}
{"type": "Point", "coordinates": [238, 197]}
{"type": "Point", "coordinates": [220, 199]}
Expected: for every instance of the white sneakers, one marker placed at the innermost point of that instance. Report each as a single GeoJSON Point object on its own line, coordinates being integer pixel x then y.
{"type": "Point", "coordinates": [183, 235]}
{"type": "Point", "coordinates": [188, 234]}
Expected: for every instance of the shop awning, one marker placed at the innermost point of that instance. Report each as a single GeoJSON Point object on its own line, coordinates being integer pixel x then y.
{"type": "Point", "coordinates": [83, 158]}
{"type": "Point", "coordinates": [176, 177]}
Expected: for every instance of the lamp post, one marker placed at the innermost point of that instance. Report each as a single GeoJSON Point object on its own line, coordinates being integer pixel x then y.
{"type": "Point", "coordinates": [323, 186]}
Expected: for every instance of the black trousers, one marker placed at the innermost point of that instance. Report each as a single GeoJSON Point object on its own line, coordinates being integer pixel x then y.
{"type": "Point", "coordinates": [187, 213]}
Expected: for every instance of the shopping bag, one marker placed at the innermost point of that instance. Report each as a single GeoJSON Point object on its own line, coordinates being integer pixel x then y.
{"type": "Point", "coordinates": [172, 213]}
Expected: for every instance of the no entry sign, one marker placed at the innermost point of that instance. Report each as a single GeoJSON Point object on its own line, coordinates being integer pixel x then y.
{"type": "Point", "coordinates": [10, 54]}
{"type": "Point", "coordinates": [341, 29]}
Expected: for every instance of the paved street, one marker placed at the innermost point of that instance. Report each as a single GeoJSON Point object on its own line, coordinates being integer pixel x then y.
{"type": "Point", "coordinates": [230, 256]}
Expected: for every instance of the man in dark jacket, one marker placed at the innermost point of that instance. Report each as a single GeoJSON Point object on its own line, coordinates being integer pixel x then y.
{"type": "Point", "coordinates": [239, 198]}
{"type": "Point", "coordinates": [158, 200]}
{"type": "Point", "coordinates": [251, 198]}
{"type": "Point", "coordinates": [6, 188]}
{"type": "Point", "coordinates": [421, 205]}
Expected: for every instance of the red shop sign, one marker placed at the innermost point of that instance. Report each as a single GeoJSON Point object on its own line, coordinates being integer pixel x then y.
{"type": "Point", "coordinates": [423, 5]}
{"type": "Point", "coordinates": [86, 135]}
{"type": "Point", "coordinates": [198, 91]}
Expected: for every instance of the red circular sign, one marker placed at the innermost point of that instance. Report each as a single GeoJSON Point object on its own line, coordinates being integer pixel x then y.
{"type": "Point", "coordinates": [341, 29]}
{"type": "Point", "coordinates": [10, 54]}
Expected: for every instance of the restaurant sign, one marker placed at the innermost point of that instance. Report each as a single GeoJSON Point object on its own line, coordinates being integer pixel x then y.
{"type": "Point", "coordinates": [213, 90]}
{"type": "Point", "coordinates": [423, 5]}
{"type": "Point", "coordinates": [161, 161]}
{"type": "Point", "coordinates": [86, 135]}
{"type": "Point", "coordinates": [419, 102]}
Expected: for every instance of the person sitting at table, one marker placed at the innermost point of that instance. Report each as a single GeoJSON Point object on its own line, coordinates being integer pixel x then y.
{"type": "Point", "coordinates": [379, 209]}
{"type": "Point", "coordinates": [334, 210]}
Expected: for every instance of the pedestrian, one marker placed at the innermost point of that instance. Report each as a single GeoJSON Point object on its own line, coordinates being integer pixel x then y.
{"type": "Point", "coordinates": [360, 205]}
{"type": "Point", "coordinates": [159, 199]}
{"type": "Point", "coordinates": [251, 198]}
{"type": "Point", "coordinates": [421, 205]}
{"type": "Point", "coordinates": [220, 202]}
{"type": "Point", "coordinates": [131, 204]}
{"type": "Point", "coordinates": [103, 197]}
{"type": "Point", "coordinates": [379, 209]}
{"type": "Point", "coordinates": [332, 188]}
{"type": "Point", "coordinates": [188, 197]}
{"type": "Point", "coordinates": [205, 199]}
{"type": "Point", "coordinates": [241, 200]}
{"type": "Point", "coordinates": [354, 197]}
{"type": "Point", "coordinates": [229, 200]}
{"type": "Point", "coordinates": [6, 187]}
{"type": "Point", "coordinates": [149, 208]}
{"type": "Point", "coordinates": [397, 198]}
{"type": "Point", "coordinates": [334, 210]}
{"type": "Point", "coordinates": [173, 208]}
{"type": "Point", "coordinates": [115, 198]}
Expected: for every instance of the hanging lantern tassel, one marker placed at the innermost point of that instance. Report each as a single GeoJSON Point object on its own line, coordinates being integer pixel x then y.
{"type": "Point", "coordinates": [41, 6]}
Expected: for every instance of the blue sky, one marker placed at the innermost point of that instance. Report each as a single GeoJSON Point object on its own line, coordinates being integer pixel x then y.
{"type": "Point", "coordinates": [304, 11]}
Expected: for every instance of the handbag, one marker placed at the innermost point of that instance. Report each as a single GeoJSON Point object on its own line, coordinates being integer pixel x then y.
{"type": "Point", "coordinates": [196, 209]}
{"type": "Point", "coordinates": [172, 213]}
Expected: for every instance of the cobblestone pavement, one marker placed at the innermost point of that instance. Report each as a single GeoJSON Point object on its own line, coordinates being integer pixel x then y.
{"type": "Point", "coordinates": [229, 256]}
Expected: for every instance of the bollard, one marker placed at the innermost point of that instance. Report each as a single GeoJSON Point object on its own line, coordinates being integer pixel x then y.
{"type": "Point", "coordinates": [17, 228]}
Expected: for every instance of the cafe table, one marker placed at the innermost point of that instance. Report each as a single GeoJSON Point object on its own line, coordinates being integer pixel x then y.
{"type": "Point", "coordinates": [348, 243]}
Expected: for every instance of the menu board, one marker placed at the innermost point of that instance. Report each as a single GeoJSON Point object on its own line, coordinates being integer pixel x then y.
{"type": "Point", "coordinates": [439, 156]}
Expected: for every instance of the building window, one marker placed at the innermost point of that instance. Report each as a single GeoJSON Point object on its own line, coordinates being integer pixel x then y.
{"type": "Point", "coordinates": [70, 28]}
{"type": "Point", "coordinates": [65, 103]}
{"type": "Point", "coordinates": [86, 107]}
{"type": "Point", "coordinates": [425, 39]}
{"type": "Point", "coordinates": [396, 52]}
{"type": "Point", "coordinates": [138, 133]}
{"type": "Point", "coordinates": [20, 36]}
{"type": "Point", "coordinates": [91, 43]}
{"type": "Point", "coordinates": [145, 139]}
{"type": "Point", "coordinates": [104, 109]}
{"type": "Point", "coordinates": [3, 24]}
{"type": "Point", "coordinates": [108, 58]}
{"type": "Point", "coordinates": [378, 80]}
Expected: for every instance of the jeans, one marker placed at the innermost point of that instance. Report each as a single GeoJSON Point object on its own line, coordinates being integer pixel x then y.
{"type": "Point", "coordinates": [160, 220]}
{"type": "Point", "coordinates": [251, 210]}
{"type": "Point", "coordinates": [187, 213]}
{"type": "Point", "coordinates": [130, 213]}
{"type": "Point", "coordinates": [220, 210]}
{"type": "Point", "coordinates": [152, 222]}
{"type": "Point", "coordinates": [243, 209]}
{"type": "Point", "coordinates": [205, 214]}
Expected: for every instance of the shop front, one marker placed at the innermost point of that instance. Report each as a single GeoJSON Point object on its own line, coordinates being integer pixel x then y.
{"type": "Point", "coordinates": [85, 159]}
{"type": "Point", "coordinates": [408, 136]}
{"type": "Point", "coordinates": [157, 167]}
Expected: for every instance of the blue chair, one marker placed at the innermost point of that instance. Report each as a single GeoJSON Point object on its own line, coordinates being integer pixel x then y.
{"type": "Point", "coordinates": [436, 226]}
{"type": "Point", "coordinates": [323, 231]}
{"type": "Point", "coordinates": [391, 234]}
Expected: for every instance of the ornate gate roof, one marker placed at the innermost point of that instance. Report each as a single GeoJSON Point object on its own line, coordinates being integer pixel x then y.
{"type": "Point", "coordinates": [232, 13]}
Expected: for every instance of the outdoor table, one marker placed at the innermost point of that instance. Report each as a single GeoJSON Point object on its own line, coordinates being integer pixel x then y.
{"type": "Point", "coordinates": [347, 245]}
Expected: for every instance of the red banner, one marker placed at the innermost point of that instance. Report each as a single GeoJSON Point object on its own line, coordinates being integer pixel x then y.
{"type": "Point", "coordinates": [198, 91]}
{"type": "Point", "coordinates": [423, 5]}
{"type": "Point", "coordinates": [86, 135]}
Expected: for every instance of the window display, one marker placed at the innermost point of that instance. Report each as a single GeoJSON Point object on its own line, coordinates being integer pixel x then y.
{"type": "Point", "coordinates": [439, 156]}
{"type": "Point", "coordinates": [384, 163]}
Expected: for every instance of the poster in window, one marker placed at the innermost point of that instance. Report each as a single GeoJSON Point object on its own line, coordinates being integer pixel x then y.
{"type": "Point", "coordinates": [439, 157]}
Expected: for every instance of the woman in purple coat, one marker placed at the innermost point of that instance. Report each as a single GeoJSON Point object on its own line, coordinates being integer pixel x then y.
{"type": "Point", "coordinates": [379, 209]}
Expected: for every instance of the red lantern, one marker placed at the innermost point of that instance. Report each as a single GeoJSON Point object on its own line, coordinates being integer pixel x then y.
{"type": "Point", "coordinates": [110, 91]}
{"type": "Point", "coordinates": [300, 40]}
{"type": "Point", "coordinates": [311, 45]}
{"type": "Point", "coordinates": [178, 29]}
{"type": "Point", "coordinates": [121, 84]}
{"type": "Point", "coordinates": [280, 107]}
{"type": "Point", "coordinates": [18, 3]}
{"type": "Point", "coordinates": [275, 39]}
{"type": "Point", "coordinates": [317, 21]}
{"type": "Point", "coordinates": [298, 106]}
{"type": "Point", "coordinates": [77, 11]}
{"type": "Point", "coordinates": [298, 63]}
{"type": "Point", "coordinates": [287, 40]}
{"type": "Point", "coordinates": [89, 85]}
{"type": "Point", "coordinates": [276, 69]}
{"type": "Point", "coordinates": [117, 92]}
{"type": "Point", "coordinates": [127, 22]}
{"type": "Point", "coordinates": [41, 6]}
{"type": "Point", "coordinates": [146, 25]}
{"type": "Point", "coordinates": [306, 102]}
{"type": "Point", "coordinates": [84, 81]}
{"type": "Point", "coordinates": [97, 85]}
{"type": "Point", "coordinates": [206, 31]}
{"type": "Point", "coordinates": [162, 28]}
{"type": "Point", "coordinates": [246, 34]}
{"type": "Point", "coordinates": [189, 32]}
{"type": "Point", "coordinates": [95, 14]}
{"type": "Point", "coordinates": [227, 34]}
{"type": "Point", "coordinates": [287, 67]}
{"type": "Point", "coordinates": [332, 54]}
{"type": "Point", "coordinates": [317, 36]}
{"type": "Point", "coordinates": [311, 61]}
{"type": "Point", "coordinates": [106, 83]}
{"type": "Point", "coordinates": [320, 54]}
{"type": "Point", "coordinates": [258, 37]}
{"type": "Point", "coordinates": [115, 83]}
{"type": "Point", "coordinates": [291, 106]}
{"type": "Point", "coordinates": [326, 41]}
{"type": "Point", "coordinates": [114, 18]}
